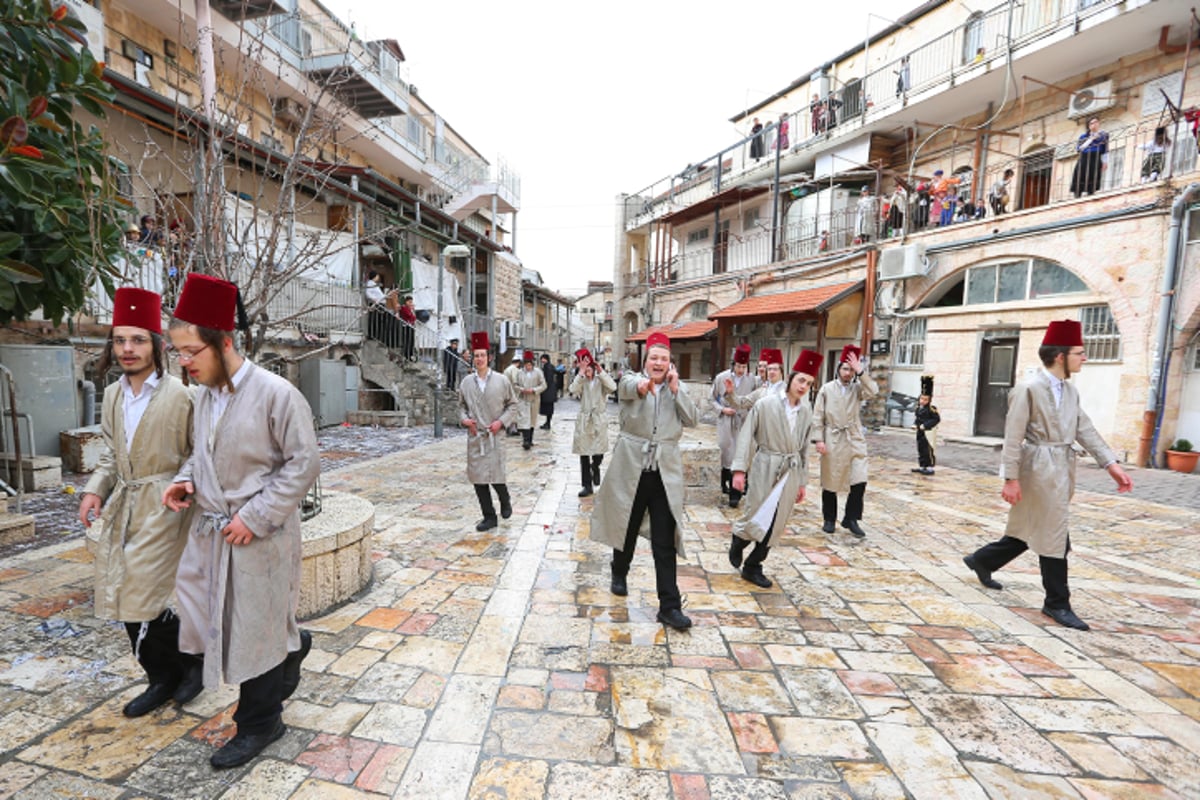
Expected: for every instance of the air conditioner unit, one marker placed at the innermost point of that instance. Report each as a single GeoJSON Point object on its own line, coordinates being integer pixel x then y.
{"type": "Point", "coordinates": [514, 329]}
{"type": "Point", "coordinates": [1091, 99]}
{"type": "Point", "coordinates": [289, 111]}
{"type": "Point", "coordinates": [897, 263]}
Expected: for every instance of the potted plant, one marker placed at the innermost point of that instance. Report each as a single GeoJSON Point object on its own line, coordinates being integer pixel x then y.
{"type": "Point", "coordinates": [1181, 457]}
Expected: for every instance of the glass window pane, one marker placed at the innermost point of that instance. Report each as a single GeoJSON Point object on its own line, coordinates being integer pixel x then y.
{"type": "Point", "coordinates": [1012, 281]}
{"type": "Point", "coordinates": [1050, 279]}
{"type": "Point", "coordinates": [1000, 368]}
{"type": "Point", "coordinates": [981, 285]}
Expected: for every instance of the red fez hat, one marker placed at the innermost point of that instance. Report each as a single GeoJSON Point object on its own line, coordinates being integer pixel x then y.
{"type": "Point", "coordinates": [847, 350]}
{"type": "Point", "coordinates": [809, 362]}
{"type": "Point", "coordinates": [208, 302]}
{"type": "Point", "coordinates": [585, 357]}
{"type": "Point", "coordinates": [1064, 333]}
{"type": "Point", "coordinates": [658, 339]}
{"type": "Point", "coordinates": [137, 308]}
{"type": "Point", "coordinates": [479, 340]}
{"type": "Point", "coordinates": [528, 357]}
{"type": "Point", "coordinates": [771, 356]}
{"type": "Point", "coordinates": [741, 354]}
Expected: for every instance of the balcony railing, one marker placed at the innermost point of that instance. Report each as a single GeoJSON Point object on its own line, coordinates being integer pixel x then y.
{"type": "Point", "coordinates": [946, 60]}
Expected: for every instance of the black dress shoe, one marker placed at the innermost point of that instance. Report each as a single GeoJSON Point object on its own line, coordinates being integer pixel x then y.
{"type": "Point", "coordinates": [736, 546]}
{"type": "Point", "coordinates": [155, 695]}
{"type": "Point", "coordinates": [674, 618]}
{"type": "Point", "coordinates": [918, 469]}
{"type": "Point", "coordinates": [505, 509]}
{"type": "Point", "coordinates": [243, 747]}
{"type": "Point", "coordinates": [585, 491]}
{"type": "Point", "coordinates": [618, 586]}
{"type": "Point", "coordinates": [291, 664]}
{"type": "Point", "coordinates": [828, 526]}
{"type": "Point", "coordinates": [486, 524]}
{"type": "Point", "coordinates": [734, 503]}
{"type": "Point", "coordinates": [1065, 616]}
{"type": "Point", "coordinates": [852, 526]}
{"type": "Point", "coordinates": [191, 685]}
{"type": "Point", "coordinates": [757, 578]}
{"type": "Point", "coordinates": [984, 575]}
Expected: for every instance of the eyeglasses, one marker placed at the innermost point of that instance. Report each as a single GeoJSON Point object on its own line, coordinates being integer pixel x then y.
{"type": "Point", "coordinates": [1077, 353]}
{"type": "Point", "coordinates": [136, 341]}
{"type": "Point", "coordinates": [184, 355]}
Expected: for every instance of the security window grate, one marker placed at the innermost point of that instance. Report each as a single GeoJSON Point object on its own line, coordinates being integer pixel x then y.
{"type": "Point", "coordinates": [1101, 337]}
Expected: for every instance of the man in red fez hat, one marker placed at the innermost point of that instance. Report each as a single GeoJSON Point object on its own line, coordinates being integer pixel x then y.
{"type": "Point", "coordinates": [528, 384]}
{"type": "Point", "coordinates": [838, 432]}
{"type": "Point", "coordinates": [486, 405]}
{"type": "Point", "coordinates": [592, 385]}
{"type": "Point", "coordinates": [1037, 465]}
{"type": "Point", "coordinates": [255, 460]}
{"type": "Point", "coordinates": [146, 421]}
{"type": "Point", "coordinates": [646, 478]}
{"type": "Point", "coordinates": [736, 382]}
{"type": "Point", "coordinates": [773, 447]}
{"type": "Point", "coordinates": [510, 373]}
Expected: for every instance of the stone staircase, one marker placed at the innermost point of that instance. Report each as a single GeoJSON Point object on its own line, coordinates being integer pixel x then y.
{"type": "Point", "coordinates": [411, 385]}
{"type": "Point", "coordinates": [14, 528]}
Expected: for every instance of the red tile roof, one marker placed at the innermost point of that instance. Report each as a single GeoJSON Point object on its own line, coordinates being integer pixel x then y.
{"type": "Point", "coordinates": [766, 305]}
{"type": "Point", "coordinates": [678, 331]}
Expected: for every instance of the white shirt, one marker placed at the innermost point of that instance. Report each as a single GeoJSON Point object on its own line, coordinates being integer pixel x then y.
{"type": "Point", "coordinates": [792, 411]}
{"type": "Point", "coordinates": [135, 405]}
{"type": "Point", "coordinates": [1056, 386]}
{"type": "Point", "coordinates": [221, 396]}
{"type": "Point", "coordinates": [481, 381]}
{"type": "Point", "coordinates": [373, 292]}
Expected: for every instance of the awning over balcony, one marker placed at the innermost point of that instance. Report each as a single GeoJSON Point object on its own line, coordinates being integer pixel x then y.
{"type": "Point", "coordinates": [707, 206]}
{"type": "Point", "coordinates": [678, 331]}
{"type": "Point", "coordinates": [768, 307]}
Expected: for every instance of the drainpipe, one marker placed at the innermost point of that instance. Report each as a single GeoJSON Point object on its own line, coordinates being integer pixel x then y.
{"type": "Point", "coordinates": [89, 402]}
{"type": "Point", "coordinates": [1152, 418]}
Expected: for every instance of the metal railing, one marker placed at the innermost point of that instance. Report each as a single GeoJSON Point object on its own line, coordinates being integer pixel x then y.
{"type": "Point", "coordinates": [328, 36]}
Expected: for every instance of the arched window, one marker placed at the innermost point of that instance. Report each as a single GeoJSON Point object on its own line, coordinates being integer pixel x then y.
{"type": "Point", "coordinates": [973, 38]}
{"type": "Point", "coordinates": [1004, 282]}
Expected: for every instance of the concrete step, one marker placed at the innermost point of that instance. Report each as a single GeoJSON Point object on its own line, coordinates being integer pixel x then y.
{"type": "Point", "coordinates": [41, 472]}
{"type": "Point", "coordinates": [15, 528]}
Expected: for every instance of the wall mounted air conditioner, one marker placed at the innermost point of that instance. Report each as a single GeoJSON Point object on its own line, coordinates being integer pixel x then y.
{"type": "Point", "coordinates": [897, 263]}
{"type": "Point", "coordinates": [1091, 99]}
{"type": "Point", "coordinates": [288, 110]}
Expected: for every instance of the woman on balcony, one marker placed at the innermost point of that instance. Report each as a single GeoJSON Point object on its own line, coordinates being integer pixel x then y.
{"type": "Point", "coordinates": [1093, 151]}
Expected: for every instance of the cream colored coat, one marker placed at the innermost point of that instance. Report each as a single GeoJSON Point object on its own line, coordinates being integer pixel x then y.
{"type": "Point", "coordinates": [591, 428]}
{"type": "Point", "coordinates": [770, 449]}
{"type": "Point", "coordinates": [485, 452]}
{"type": "Point", "coordinates": [140, 540]}
{"type": "Point", "coordinates": [527, 404]}
{"type": "Point", "coordinates": [1038, 451]}
{"type": "Point", "coordinates": [837, 423]}
{"type": "Point", "coordinates": [237, 605]}
{"type": "Point", "coordinates": [650, 429]}
{"type": "Point", "coordinates": [729, 426]}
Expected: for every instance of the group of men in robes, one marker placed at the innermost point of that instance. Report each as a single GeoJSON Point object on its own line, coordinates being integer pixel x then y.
{"type": "Point", "coordinates": [200, 493]}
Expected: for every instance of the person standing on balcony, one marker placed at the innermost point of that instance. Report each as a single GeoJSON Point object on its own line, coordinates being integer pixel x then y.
{"type": "Point", "coordinates": [592, 385]}
{"type": "Point", "coordinates": [486, 405]}
{"type": "Point", "coordinates": [147, 428]}
{"type": "Point", "coordinates": [922, 206]}
{"type": "Point", "coordinates": [944, 194]}
{"type": "Point", "coordinates": [408, 319]}
{"type": "Point", "coordinates": [737, 382]}
{"type": "Point", "coordinates": [999, 195]}
{"type": "Point", "coordinates": [529, 385]}
{"type": "Point", "coordinates": [381, 322]}
{"type": "Point", "coordinates": [816, 114]}
{"type": "Point", "coordinates": [1037, 466]}
{"type": "Point", "coordinates": [781, 135]}
{"type": "Point", "coordinates": [550, 393]}
{"type": "Point", "coordinates": [1092, 147]}
{"type": "Point", "coordinates": [255, 460]}
{"type": "Point", "coordinates": [838, 432]}
{"type": "Point", "coordinates": [773, 446]}
{"type": "Point", "coordinates": [757, 145]}
{"type": "Point", "coordinates": [903, 78]}
{"type": "Point", "coordinates": [646, 478]}
{"type": "Point", "coordinates": [897, 209]}
{"type": "Point", "coordinates": [925, 419]}
{"type": "Point", "coordinates": [1156, 155]}
{"type": "Point", "coordinates": [866, 216]}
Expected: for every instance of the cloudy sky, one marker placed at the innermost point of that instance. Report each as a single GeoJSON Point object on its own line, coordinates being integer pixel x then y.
{"type": "Point", "coordinates": [589, 101]}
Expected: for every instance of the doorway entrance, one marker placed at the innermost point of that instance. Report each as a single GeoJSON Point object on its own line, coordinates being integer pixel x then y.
{"type": "Point", "coordinates": [997, 373]}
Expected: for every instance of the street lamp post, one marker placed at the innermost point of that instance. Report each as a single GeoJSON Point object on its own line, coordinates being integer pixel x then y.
{"type": "Point", "coordinates": [449, 251]}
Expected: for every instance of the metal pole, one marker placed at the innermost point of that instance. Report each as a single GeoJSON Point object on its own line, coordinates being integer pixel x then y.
{"type": "Point", "coordinates": [441, 356]}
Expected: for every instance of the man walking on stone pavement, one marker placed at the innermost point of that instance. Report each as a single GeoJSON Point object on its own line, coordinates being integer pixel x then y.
{"type": "Point", "coordinates": [511, 372]}
{"type": "Point", "coordinates": [729, 417]}
{"type": "Point", "coordinates": [550, 393]}
{"type": "Point", "coordinates": [486, 405]}
{"type": "Point", "coordinates": [528, 385]}
{"type": "Point", "coordinates": [592, 385]}
{"type": "Point", "coordinates": [773, 447]}
{"type": "Point", "coordinates": [1037, 466]}
{"type": "Point", "coordinates": [147, 428]}
{"type": "Point", "coordinates": [838, 433]}
{"type": "Point", "coordinates": [773, 384]}
{"type": "Point", "coordinates": [450, 362]}
{"type": "Point", "coordinates": [646, 478]}
{"type": "Point", "coordinates": [925, 419]}
{"type": "Point", "coordinates": [254, 461]}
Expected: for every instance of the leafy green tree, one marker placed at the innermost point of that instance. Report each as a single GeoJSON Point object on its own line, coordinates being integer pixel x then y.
{"type": "Point", "coordinates": [59, 218]}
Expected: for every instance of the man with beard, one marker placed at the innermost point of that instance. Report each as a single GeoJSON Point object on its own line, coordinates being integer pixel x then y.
{"type": "Point", "coordinates": [1037, 465]}
{"type": "Point", "coordinates": [486, 405]}
{"type": "Point", "coordinates": [147, 427]}
{"type": "Point", "coordinates": [592, 386]}
{"type": "Point", "coordinates": [255, 459]}
{"type": "Point", "coordinates": [838, 432]}
{"type": "Point", "coordinates": [729, 416]}
{"type": "Point", "coordinates": [646, 478]}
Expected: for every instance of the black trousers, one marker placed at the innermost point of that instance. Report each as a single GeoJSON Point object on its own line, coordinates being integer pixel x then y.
{"type": "Point", "coordinates": [485, 498]}
{"type": "Point", "coordinates": [754, 561]}
{"type": "Point", "coordinates": [260, 702]}
{"type": "Point", "coordinates": [994, 556]}
{"type": "Point", "coordinates": [158, 648]}
{"type": "Point", "coordinates": [854, 503]}
{"type": "Point", "coordinates": [589, 467]}
{"type": "Point", "coordinates": [924, 451]}
{"type": "Point", "coordinates": [527, 436]}
{"type": "Point", "coordinates": [735, 496]}
{"type": "Point", "coordinates": [651, 497]}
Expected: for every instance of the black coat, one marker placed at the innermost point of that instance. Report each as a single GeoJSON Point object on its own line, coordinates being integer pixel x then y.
{"type": "Point", "coordinates": [550, 393]}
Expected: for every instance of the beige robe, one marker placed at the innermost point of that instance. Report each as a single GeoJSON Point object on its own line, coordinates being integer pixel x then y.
{"type": "Point", "coordinates": [591, 428]}
{"type": "Point", "coordinates": [238, 604]}
{"type": "Point", "coordinates": [650, 431]}
{"type": "Point", "coordinates": [729, 426]}
{"type": "Point", "coordinates": [1038, 451]}
{"type": "Point", "coordinates": [527, 403]}
{"type": "Point", "coordinates": [485, 452]}
{"type": "Point", "coordinates": [140, 539]}
{"type": "Point", "coordinates": [770, 449]}
{"type": "Point", "coordinates": [837, 423]}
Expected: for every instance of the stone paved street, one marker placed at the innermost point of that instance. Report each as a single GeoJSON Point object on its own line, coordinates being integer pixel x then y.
{"type": "Point", "coordinates": [498, 665]}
